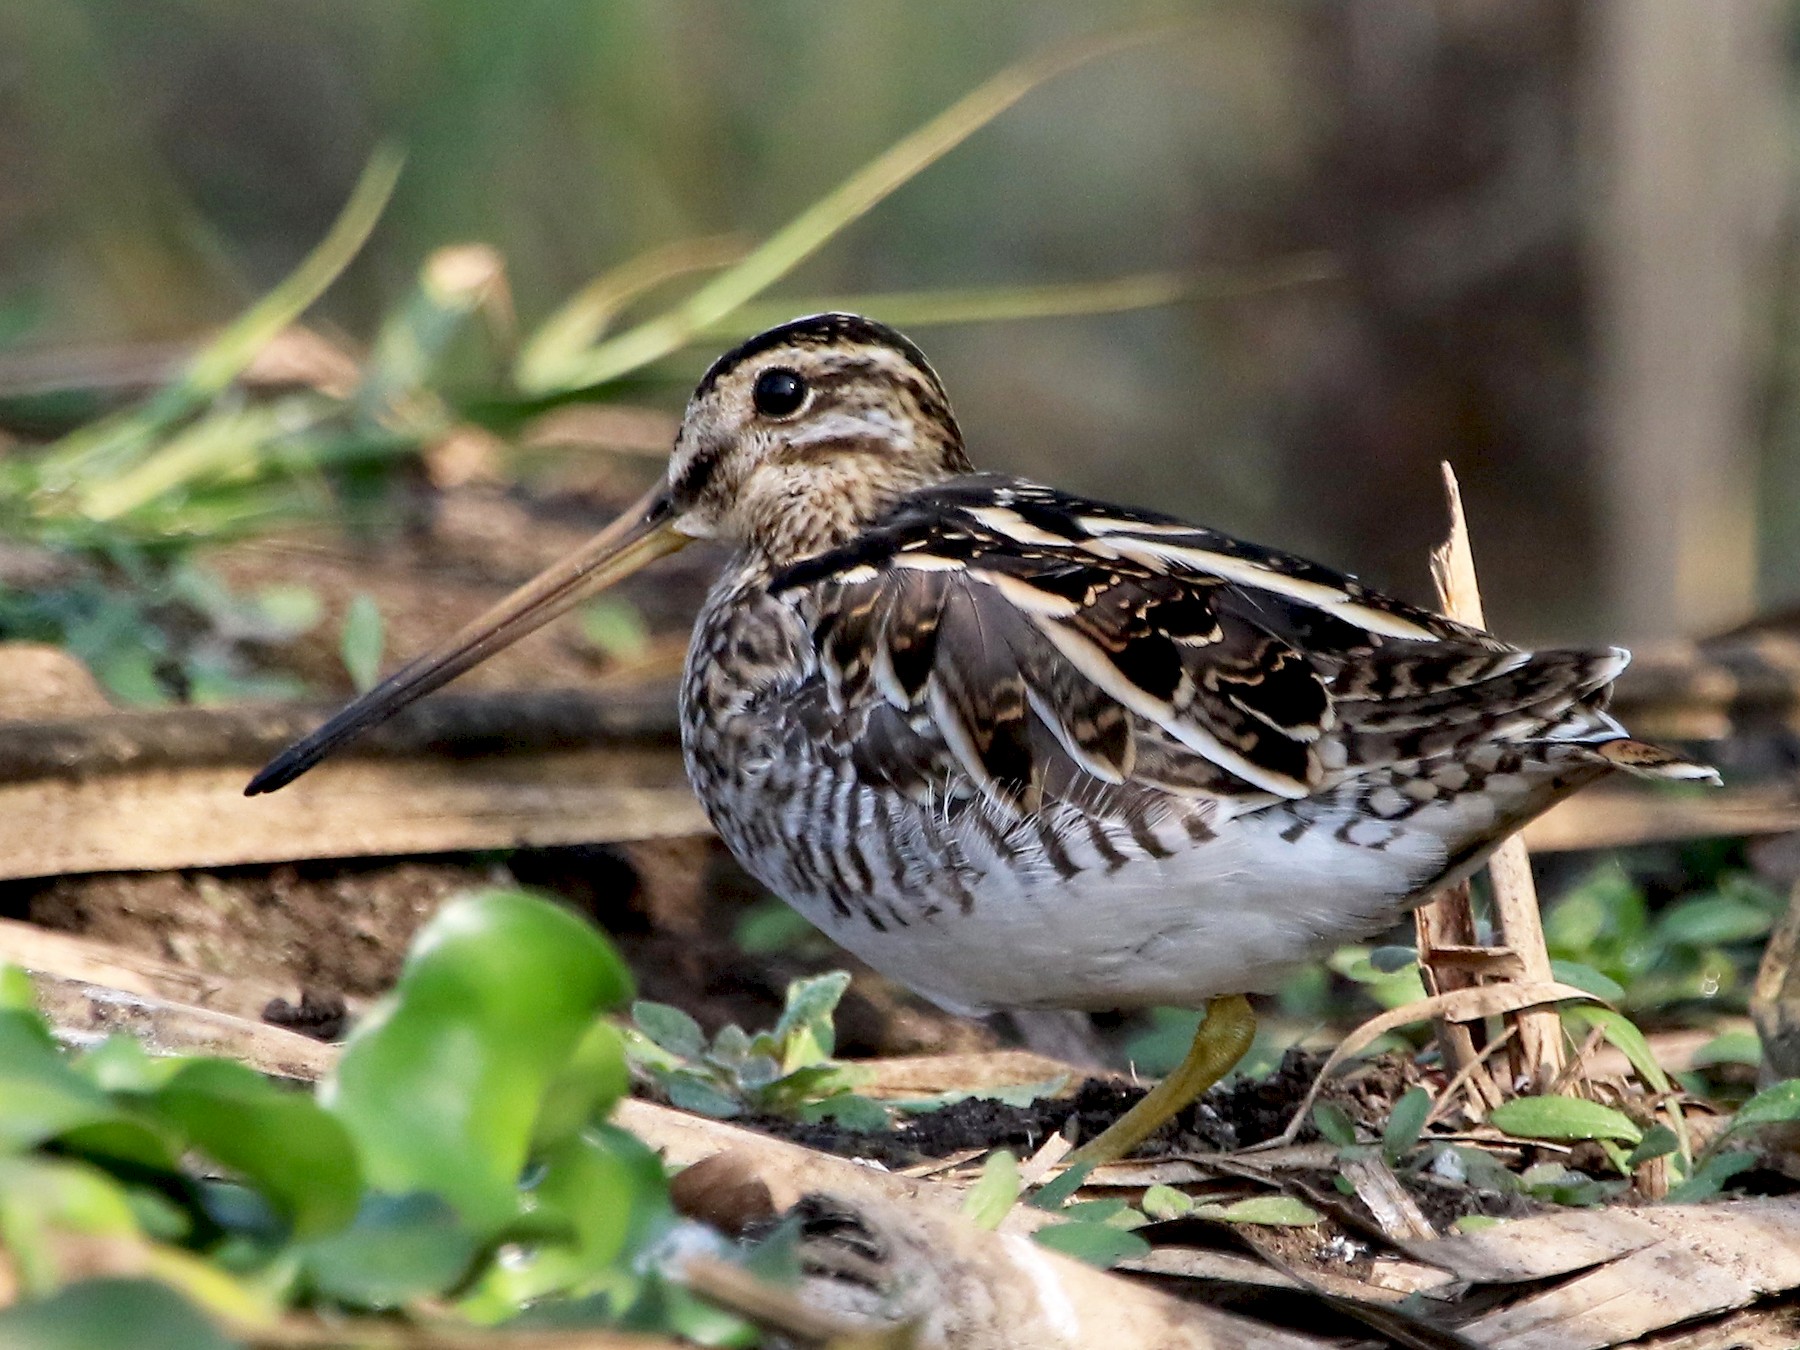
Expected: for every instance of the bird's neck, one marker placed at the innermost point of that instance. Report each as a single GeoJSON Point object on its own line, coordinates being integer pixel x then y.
{"type": "Point", "coordinates": [790, 518]}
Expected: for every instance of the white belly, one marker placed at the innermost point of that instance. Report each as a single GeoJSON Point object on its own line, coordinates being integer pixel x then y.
{"type": "Point", "coordinates": [1230, 915]}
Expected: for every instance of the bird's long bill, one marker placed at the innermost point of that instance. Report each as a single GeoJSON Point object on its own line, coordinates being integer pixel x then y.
{"type": "Point", "coordinates": [641, 535]}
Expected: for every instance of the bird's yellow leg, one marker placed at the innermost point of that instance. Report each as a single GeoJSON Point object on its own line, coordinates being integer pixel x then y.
{"type": "Point", "coordinates": [1219, 1043]}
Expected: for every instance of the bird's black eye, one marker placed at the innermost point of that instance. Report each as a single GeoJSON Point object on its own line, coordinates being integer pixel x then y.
{"type": "Point", "coordinates": [779, 393]}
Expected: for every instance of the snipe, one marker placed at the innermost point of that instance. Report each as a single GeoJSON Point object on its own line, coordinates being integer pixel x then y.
{"type": "Point", "coordinates": [1020, 749]}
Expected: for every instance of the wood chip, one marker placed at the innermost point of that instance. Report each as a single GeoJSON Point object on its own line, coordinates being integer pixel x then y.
{"type": "Point", "coordinates": [81, 1010]}
{"type": "Point", "coordinates": [1395, 1212]}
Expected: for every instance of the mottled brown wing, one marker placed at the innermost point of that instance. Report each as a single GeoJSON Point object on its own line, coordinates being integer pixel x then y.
{"type": "Point", "coordinates": [1002, 636]}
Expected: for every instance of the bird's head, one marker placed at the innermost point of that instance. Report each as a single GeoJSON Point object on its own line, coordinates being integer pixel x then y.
{"type": "Point", "coordinates": [790, 443]}
{"type": "Point", "coordinates": [794, 439]}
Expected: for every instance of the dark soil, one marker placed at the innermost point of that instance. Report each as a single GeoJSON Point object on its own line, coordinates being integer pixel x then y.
{"type": "Point", "coordinates": [1232, 1116]}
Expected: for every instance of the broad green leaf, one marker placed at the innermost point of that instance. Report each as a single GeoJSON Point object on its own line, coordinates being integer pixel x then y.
{"type": "Point", "coordinates": [805, 1031]}
{"type": "Point", "coordinates": [1771, 1106]}
{"type": "Point", "coordinates": [773, 926]}
{"type": "Point", "coordinates": [690, 1092]}
{"type": "Point", "coordinates": [1658, 1142]}
{"type": "Point", "coordinates": [283, 1142]}
{"type": "Point", "coordinates": [593, 1078]}
{"type": "Point", "coordinates": [361, 642]}
{"type": "Point", "coordinates": [442, 1086]}
{"type": "Point", "coordinates": [41, 1096]}
{"type": "Point", "coordinates": [1165, 1202]}
{"type": "Point", "coordinates": [398, 1249]}
{"type": "Point", "coordinates": [1054, 1193]}
{"type": "Point", "coordinates": [1742, 1046]}
{"type": "Point", "coordinates": [1281, 1211]}
{"type": "Point", "coordinates": [1607, 908]}
{"type": "Point", "coordinates": [995, 1191]}
{"type": "Point", "coordinates": [1710, 1177]}
{"type": "Point", "coordinates": [121, 1064]}
{"type": "Point", "coordinates": [849, 1110]}
{"type": "Point", "coordinates": [605, 1191]}
{"type": "Point", "coordinates": [16, 993]}
{"type": "Point", "coordinates": [1334, 1125]}
{"type": "Point", "coordinates": [1713, 920]}
{"type": "Point", "coordinates": [1563, 1118]}
{"type": "Point", "coordinates": [669, 1027]}
{"type": "Point", "coordinates": [1586, 977]}
{"type": "Point", "coordinates": [1405, 1124]}
{"type": "Point", "coordinates": [1098, 1244]}
{"type": "Point", "coordinates": [105, 1313]}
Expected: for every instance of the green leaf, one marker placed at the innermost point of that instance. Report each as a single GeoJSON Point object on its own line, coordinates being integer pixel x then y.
{"type": "Point", "coordinates": [1742, 1046]}
{"type": "Point", "coordinates": [604, 1192]}
{"type": "Point", "coordinates": [1475, 1223]}
{"type": "Point", "coordinates": [399, 1248]}
{"type": "Point", "coordinates": [1588, 979]}
{"type": "Point", "coordinates": [1713, 920]}
{"type": "Point", "coordinates": [772, 926]}
{"type": "Point", "coordinates": [1658, 1142]}
{"type": "Point", "coordinates": [1165, 1202]}
{"type": "Point", "coordinates": [589, 1083]}
{"type": "Point", "coordinates": [849, 1110]}
{"type": "Point", "coordinates": [995, 1192]}
{"type": "Point", "coordinates": [1606, 909]}
{"type": "Point", "coordinates": [1771, 1106]}
{"type": "Point", "coordinates": [1098, 1244]}
{"type": "Point", "coordinates": [1623, 1033]}
{"type": "Point", "coordinates": [443, 1085]}
{"type": "Point", "coordinates": [669, 1027]}
{"type": "Point", "coordinates": [690, 1092]}
{"type": "Point", "coordinates": [104, 1313]}
{"type": "Point", "coordinates": [1710, 1177]}
{"type": "Point", "coordinates": [361, 642]}
{"type": "Point", "coordinates": [1054, 1193]}
{"type": "Point", "coordinates": [1280, 1211]}
{"type": "Point", "coordinates": [16, 993]}
{"type": "Point", "coordinates": [805, 1032]}
{"type": "Point", "coordinates": [1563, 1118]}
{"type": "Point", "coordinates": [41, 1096]}
{"type": "Point", "coordinates": [1405, 1124]}
{"type": "Point", "coordinates": [1392, 960]}
{"type": "Point", "coordinates": [290, 609]}
{"type": "Point", "coordinates": [284, 1143]}
{"type": "Point", "coordinates": [1334, 1125]}
{"type": "Point", "coordinates": [615, 626]}
{"type": "Point", "coordinates": [121, 1064]}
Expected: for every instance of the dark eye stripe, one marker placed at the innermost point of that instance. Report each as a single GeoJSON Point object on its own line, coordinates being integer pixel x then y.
{"type": "Point", "coordinates": [694, 478]}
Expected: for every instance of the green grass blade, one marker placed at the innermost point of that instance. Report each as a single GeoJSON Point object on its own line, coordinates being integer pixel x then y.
{"type": "Point", "coordinates": [809, 231]}
{"type": "Point", "coordinates": [561, 342]}
{"type": "Point", "coordinates": [207, 450]}
{"type": "Point", "coordinates": [113, 443]}
{"type": "Point", "coordinates": [997, 304]}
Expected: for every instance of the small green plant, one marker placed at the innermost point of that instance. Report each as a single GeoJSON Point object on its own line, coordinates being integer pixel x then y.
{"type": "Point", "coordinates": [1603, 938]}
{"type": "Point", "coordinates": [456, 1164]}
{"type": "Point", "coordinates": [786, 1071]}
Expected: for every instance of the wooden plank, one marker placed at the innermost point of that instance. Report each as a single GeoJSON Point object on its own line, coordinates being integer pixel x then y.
{"type": "Point", "coordinates": [157, 819]}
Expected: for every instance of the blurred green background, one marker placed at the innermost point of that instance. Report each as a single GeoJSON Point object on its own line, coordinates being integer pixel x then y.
{"type": "Point", "coordinates": [1560, 231]}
